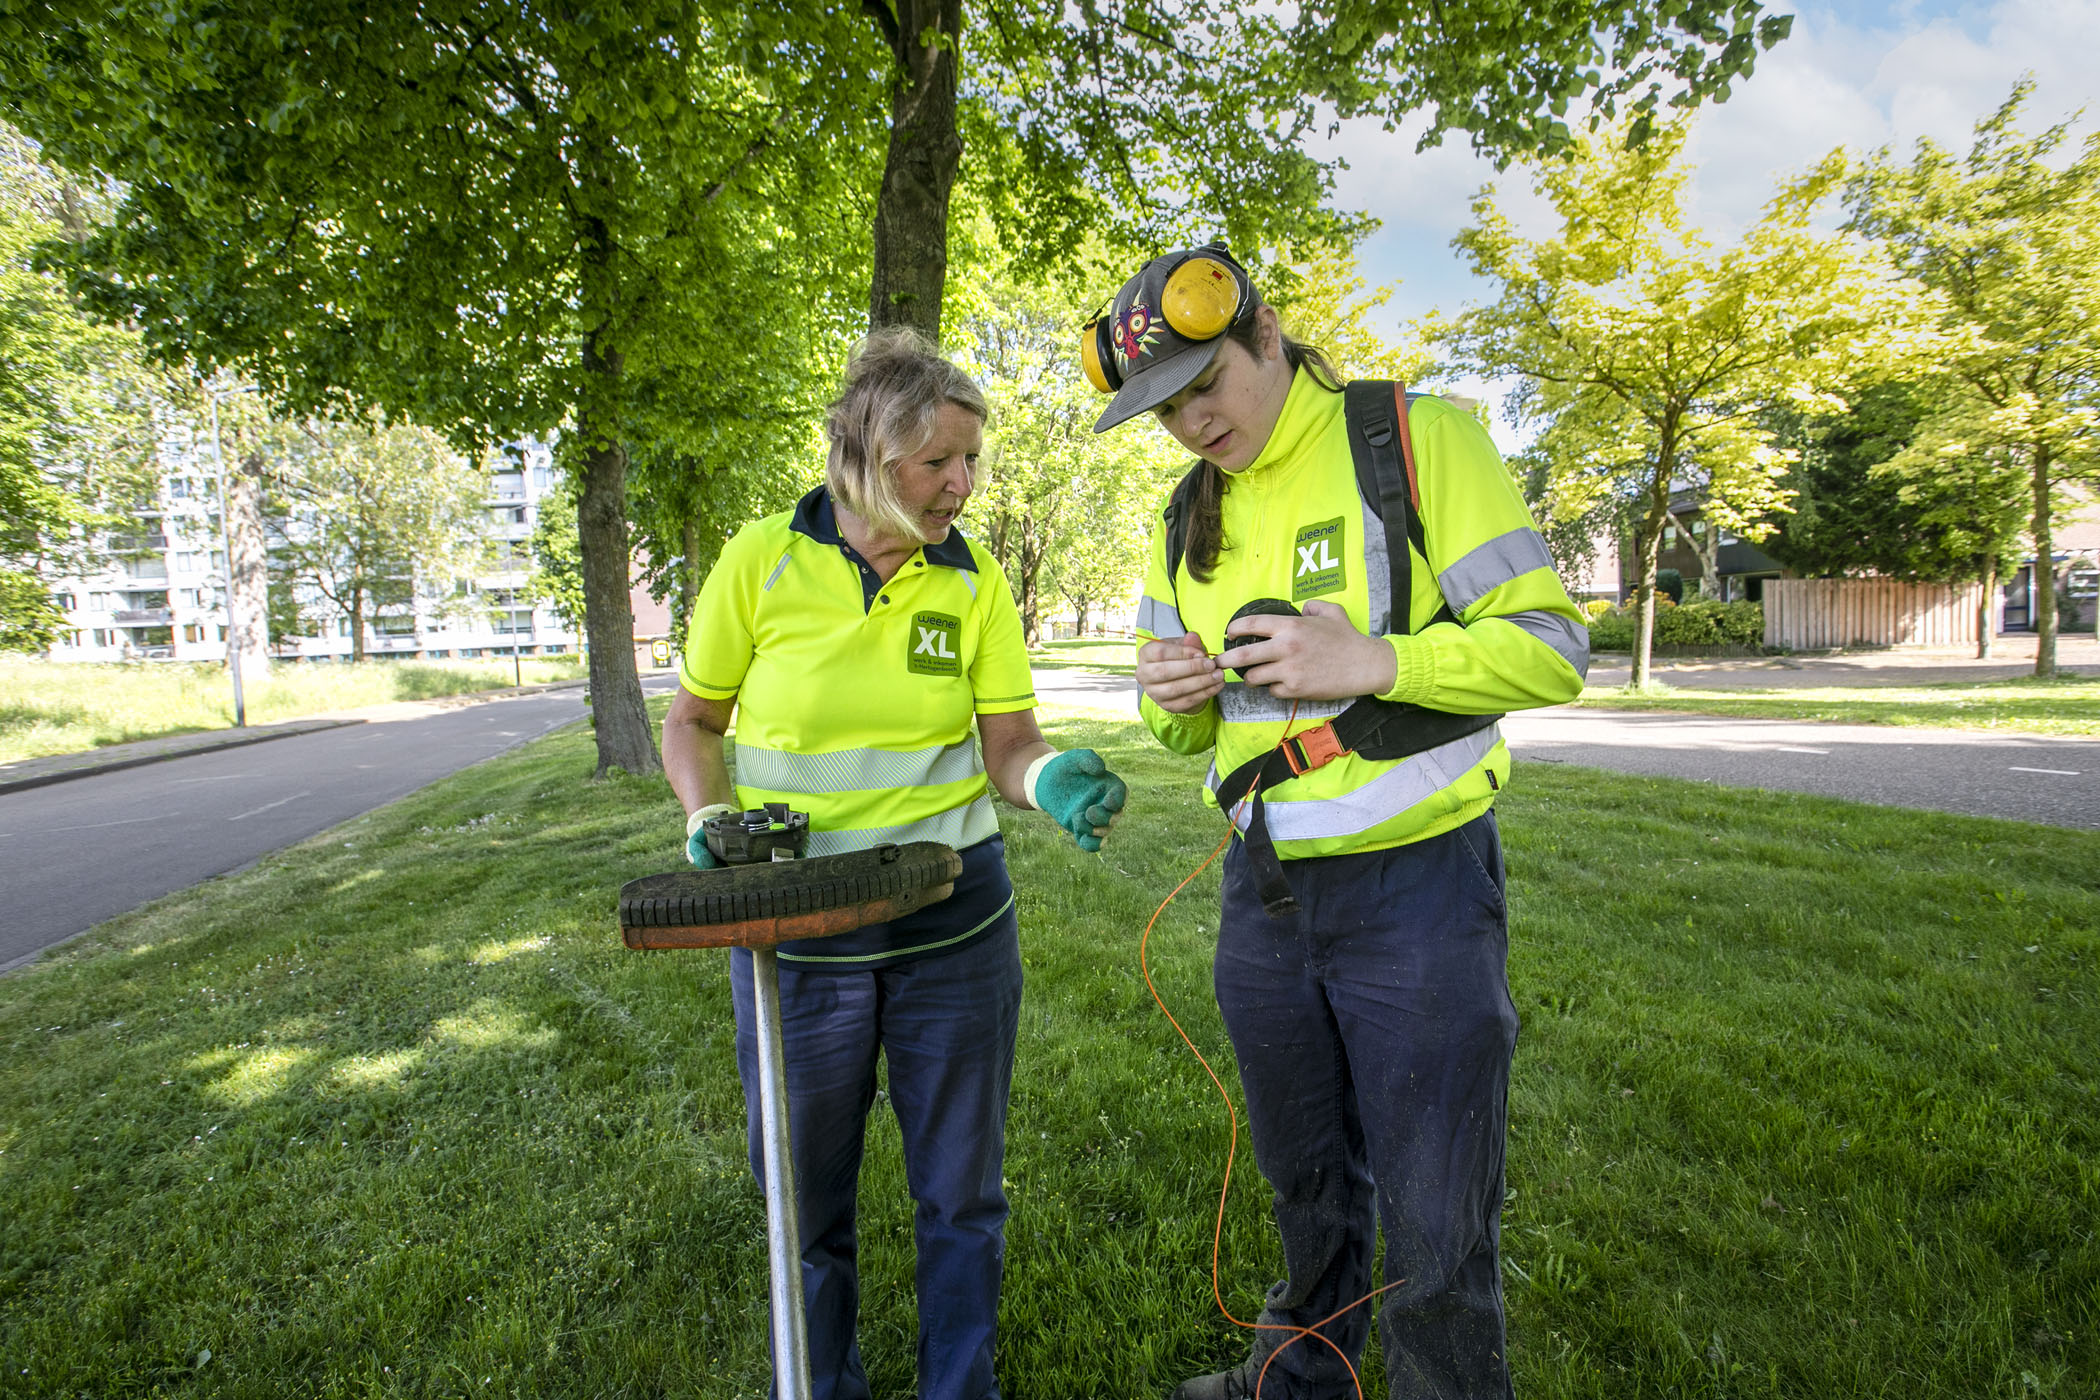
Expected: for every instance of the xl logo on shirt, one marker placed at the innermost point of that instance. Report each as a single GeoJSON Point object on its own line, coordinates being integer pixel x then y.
{"type": "Point", "coordinates": [936, 644]}
{"type": "Point", "coordinates": [1318, 567]}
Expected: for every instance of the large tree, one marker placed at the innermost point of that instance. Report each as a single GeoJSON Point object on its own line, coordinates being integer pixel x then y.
{"type": "Point", "coordinates": [364, 515]}
{"type": "Point", "coordinates": [1873, 495]}
{"type": "Point", "coordinates": [77, 403]}
{"type": "Point", "coordinates": [2009, 237]}
{"type": "Point", "coordinates": [1651, 355]}
{"type": "Point", "coordinates": [494, 219]}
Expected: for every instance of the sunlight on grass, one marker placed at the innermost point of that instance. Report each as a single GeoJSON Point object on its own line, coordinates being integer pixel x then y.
{"type": "Point", "coordinates": [375, 1071]}
{"type": "Point", "coordinates": [489, 1027]}
{"type": "Point", "coordinates": [261, 1074]}
{"type": "Point", "coordinates": [496, 951]}
{"type": "Point", "coordinates": [361, 877]}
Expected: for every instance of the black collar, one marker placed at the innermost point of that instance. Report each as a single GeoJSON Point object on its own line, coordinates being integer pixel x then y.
{"type": "Point", "coordinates": [816, 518]}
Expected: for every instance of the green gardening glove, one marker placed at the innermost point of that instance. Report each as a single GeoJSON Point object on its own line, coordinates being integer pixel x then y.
{"type": "Point", "coordinates": [696, 849]}
{"type": "Point", "coordinates": [1080, 794]}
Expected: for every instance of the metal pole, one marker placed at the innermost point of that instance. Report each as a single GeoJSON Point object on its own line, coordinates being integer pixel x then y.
{"type": "Point", "coordinates": [233, 622]}
{"type": "Point", "coordinates": [783, 1239]}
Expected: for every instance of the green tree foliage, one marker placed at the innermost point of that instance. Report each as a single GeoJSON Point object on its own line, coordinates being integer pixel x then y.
{"type": "Point", "coordinates": [1649, 354]}
{"type": "Point", "coordinates": [1065, 509]}
{"type": "Point", "coordinates": [364, 514]}
{"type": "Point", "coordinates": [557, 560]}
{"type": "Point", "coordinates": [76, 410]}
{"type": "Point", "coordinates": [493, 219]}
{"type": "Point", "coordinates": [1854, 512]}
{"type": "Point", "coordinates": [1323, 301]}
{"type": "Point", "coordinates": [2008, 236]}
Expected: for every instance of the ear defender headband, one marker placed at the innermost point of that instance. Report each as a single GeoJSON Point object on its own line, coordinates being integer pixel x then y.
{"type": "Point", "coordinates": [1204, 296]}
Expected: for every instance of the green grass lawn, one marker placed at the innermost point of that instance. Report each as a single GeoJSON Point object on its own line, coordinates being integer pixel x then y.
{"type": "Point", "coordinates": [2066, 705]}
{"type": "Point", "coordinates": [1805, 1106]}
{"type": "Point", "coordinates": [60, 707]}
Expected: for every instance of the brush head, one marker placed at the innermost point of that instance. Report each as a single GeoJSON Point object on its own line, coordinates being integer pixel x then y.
{"type": "Point", "coordinates": [782, 901]}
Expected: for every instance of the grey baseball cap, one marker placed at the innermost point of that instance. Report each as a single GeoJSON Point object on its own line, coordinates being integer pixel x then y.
{"type": "Point", "coordinates": [1164, 329]}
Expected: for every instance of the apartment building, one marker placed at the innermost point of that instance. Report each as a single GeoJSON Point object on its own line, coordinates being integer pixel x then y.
{"type": "Point", "coordinates": [162, 595]}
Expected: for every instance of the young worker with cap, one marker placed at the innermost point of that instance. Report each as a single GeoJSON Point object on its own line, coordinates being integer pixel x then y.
{"type": "Point", "coordinates": [857, 637]}
{"type": "Point", "coordinates": [1403, 599]}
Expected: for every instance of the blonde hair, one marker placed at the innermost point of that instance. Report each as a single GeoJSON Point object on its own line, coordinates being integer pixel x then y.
{"type": "Point", "coordinates": [895, 386]}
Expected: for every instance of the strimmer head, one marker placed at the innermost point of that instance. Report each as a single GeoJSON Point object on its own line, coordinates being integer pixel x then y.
{"type": "Point", "coordinates": [781, 901]}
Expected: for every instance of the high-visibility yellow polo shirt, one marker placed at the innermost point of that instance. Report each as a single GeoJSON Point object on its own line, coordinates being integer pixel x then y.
{"type": "Point", "coordinates": [855, 697]}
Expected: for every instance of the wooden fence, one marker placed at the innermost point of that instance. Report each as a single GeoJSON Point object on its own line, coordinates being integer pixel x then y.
{"type": "Point", "coordinates": [1809, 613]}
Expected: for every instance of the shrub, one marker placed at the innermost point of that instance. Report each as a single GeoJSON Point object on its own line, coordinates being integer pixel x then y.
{"type": "Point", "coordinates": [1701, 623]}
{"type": "Point", "coordinates": [1611, 630]}
{"type": "Point", "coordinates": [1671, 582]}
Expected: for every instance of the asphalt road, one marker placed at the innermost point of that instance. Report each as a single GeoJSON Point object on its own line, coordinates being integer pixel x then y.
{"type": "Point", "coordinates": [2026, 777]}
{"type": "Point", "coordinates": [82, 851]}
{"type": "Point", "coordinates": [85, 850]}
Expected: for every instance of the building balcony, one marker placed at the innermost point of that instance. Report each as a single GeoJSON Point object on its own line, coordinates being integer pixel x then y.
{"type": "Point", "coordinates": [143, 617]}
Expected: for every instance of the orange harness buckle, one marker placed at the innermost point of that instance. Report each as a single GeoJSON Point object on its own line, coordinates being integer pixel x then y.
{"type": "Point", "coordinates": [1315, 748]}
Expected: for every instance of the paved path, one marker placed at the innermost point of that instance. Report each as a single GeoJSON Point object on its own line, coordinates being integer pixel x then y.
{"type": "Point", "coordinates": [81, 851]}
{"type": "Point", "coordinates": [2025, 777]}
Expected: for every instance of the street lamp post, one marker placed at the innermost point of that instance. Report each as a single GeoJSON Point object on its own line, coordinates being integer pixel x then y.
{"type": "Point", "coordinates": [233, 622]}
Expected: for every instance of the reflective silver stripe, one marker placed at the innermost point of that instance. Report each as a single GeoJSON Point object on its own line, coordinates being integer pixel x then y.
{"type": "Point", "coordinates": [1495, 563]}
{"type": "Point", "coordinates": [1378, 579]}
{"type": "Point", "coordinates": [1386, 796]}
{"type": "Point", "coordinates": [1569, 639]}
{"type": "Point", "coordinates": [855, 770]}
{"type": "Point", "coordinates": [969, 576]}
{"type": "Point", "coordinates": [778, 570]}
{"type": "Point", "coordinates": [1158, 618]}
{"type": "Point", "coordinates": [1241, 703]}
{"type": "Point", "coordinates": [957, 827]}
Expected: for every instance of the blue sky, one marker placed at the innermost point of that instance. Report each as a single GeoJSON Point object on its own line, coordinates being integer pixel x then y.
{"type": "Point", "coordinates": [1860, 75]}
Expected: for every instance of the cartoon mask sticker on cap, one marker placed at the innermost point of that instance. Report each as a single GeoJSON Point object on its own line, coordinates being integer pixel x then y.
{"type": "Point", "coordinates": [1134, 333]}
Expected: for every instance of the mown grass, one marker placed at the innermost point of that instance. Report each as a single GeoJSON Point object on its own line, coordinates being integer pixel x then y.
{"type": "Point", "coordinates": [59, 707]}
{"type": "Point", "coordinates": [1805, 1106]}
{"type": "Point", "coordinates": [1088, 653]}
{"type": "Point", "coordinates": [2068, 705]}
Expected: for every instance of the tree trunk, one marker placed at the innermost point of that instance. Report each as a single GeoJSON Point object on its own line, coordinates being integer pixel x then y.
{"type": "Point", "coordinates": [357, 623]}
{"type": "Point", "coordinates": [2044, 572]}
{"type": "Point", "coordinates": [247, 569]}
{"type": "Point", "coordinates": [911, 214]}
{"type": "Point", "coordinates": [617, 711]}
{"type": "Point", "coordinates": [688, 583]}
{"type": "Point", "coordinates": [1985, 631]}
{"type": "Point", "coordinates": [1647, 550]}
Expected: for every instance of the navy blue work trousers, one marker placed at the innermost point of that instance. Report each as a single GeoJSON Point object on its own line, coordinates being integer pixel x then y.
{"type": "Point", "coordinates": [1374, 1032]}
{"type": "Point", "coordinates": [947, 1025]}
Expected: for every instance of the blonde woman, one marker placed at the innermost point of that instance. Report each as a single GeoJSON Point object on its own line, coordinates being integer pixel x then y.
{"type": "Point", "coordinates": [858, 638]}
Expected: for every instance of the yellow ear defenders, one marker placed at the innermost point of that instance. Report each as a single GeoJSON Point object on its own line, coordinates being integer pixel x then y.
{"type": "Point", "coordinates": [1204, 295]}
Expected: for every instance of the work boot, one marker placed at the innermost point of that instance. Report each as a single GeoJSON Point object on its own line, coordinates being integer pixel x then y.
{"type": "Point", "coordinates": [1236, 1384]}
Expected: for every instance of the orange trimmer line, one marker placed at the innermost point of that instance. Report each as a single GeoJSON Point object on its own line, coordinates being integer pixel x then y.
{"type": "Point", "coordinates": [1232, 1146]}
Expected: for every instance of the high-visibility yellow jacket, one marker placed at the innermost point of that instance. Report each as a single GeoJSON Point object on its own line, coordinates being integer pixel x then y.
{"type": "Point", "coordinates": [1296, 528]}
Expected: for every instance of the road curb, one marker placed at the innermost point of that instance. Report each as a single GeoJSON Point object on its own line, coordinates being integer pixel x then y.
{"type": "Point", "coordinates": [64, 768]}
